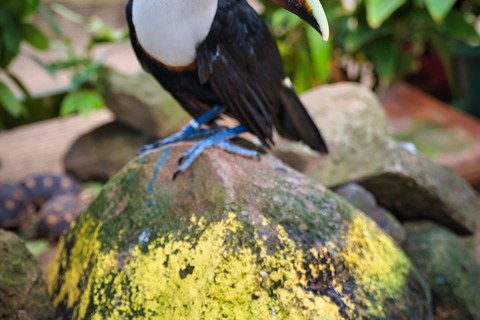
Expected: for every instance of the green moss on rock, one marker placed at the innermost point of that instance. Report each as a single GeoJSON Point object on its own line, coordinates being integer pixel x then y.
{"type": "Point", "coordinates": [230, 238]}
{"type": "Point", "coordinates": [23, 292]}
{"type": "Point", "coordinates": [446, 263]}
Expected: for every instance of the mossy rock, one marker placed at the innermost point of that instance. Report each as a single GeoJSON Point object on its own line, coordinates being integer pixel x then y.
{"type": "Point", "coordinates": [231, 238]}
{"type": "Point", "coordinates": [448, 265]}
{"type": "Point", "coordinates": [23, 291]}
{"type": "Point", "coordinates": [406, 183]}
{"type": "Point", "coordinates": [350, 118]}
{"type": "Point", "coordinates": [139, 102]}
{"type": "Point", "coordinates": [365, 201]}
{"type": "Point", "coordinates": [101, 153]}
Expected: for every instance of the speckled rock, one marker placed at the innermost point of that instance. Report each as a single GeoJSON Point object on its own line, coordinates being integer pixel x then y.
{"type": "Point", "coordinates": [23, 292]}
{"type": "Point", "coordinates": [98, 155]}
{"type": "Point", "coordinates": [449, 267]}
{"type": "Point", "coordinates": [365, 201]}
{"type": "Point", "coordinates": [141, 103]}
{"type": "Point", "coordinates": [350, 118]}
{"type": "Point", "coordinates": [406, 183]}
{"type": "Point", "coordinates": [230, 238]}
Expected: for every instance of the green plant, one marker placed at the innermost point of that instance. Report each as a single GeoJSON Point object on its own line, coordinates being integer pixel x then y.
{"type": "Point", "coordinates": [306, 56]}
{"type": "Point", "coordinates": [15, 29]}
{"type": "Point", "coordinates": [85, 92]}
{"type": "Point", "coordinates": [392, 35]}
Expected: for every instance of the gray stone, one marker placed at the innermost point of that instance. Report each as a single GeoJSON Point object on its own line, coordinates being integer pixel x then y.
{"type": "Point", "coordinates": [141, 103]}
{"type": "Point", "coordinates": [449, 267]}
{"type": "Point", "coordinates": [230, 238]}
{"type": "Point", "coordinates": [350, 118]}
{"type": "Point", "coordinates": [406, 183]}
{"type": "Point", "coordinates": [23, 292]}
{"type": "Point", "coordinates": [365, 201]}
{"type": "Point", "coordinates": [98, 155]}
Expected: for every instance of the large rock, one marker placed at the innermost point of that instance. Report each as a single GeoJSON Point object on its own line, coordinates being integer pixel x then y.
{"type": "Point", "coordinates": [448, 266]}
{"type": "Point", "coordinates": [229, 238]}
{"type": "Point", "coordinates": [350, 118]}
{"type": "Point", "coordinates": [23, 292]}
{"type": "Point", "coordinates": [365, 201]}
{"type": "Point", "coordinates": [100, 154]}
{"type": "Point", "coordinates": [141, 103]}
{"type": "Point", "coordinates": [406, 183]}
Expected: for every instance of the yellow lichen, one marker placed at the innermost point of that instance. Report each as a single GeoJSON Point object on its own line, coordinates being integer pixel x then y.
{"type": "Point", "coordinates": [223, 273]}
{"type": "Point", "coordinates": [375, 262]}
{"type": "Point", "coordinates": [76, 267]}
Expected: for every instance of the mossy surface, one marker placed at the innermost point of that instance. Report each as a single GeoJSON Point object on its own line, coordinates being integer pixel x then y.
{"type": "Point", "coordinates": [23, 292]}
{"type": "Point", "coordinates": [231, 238]}
{"type": "Point", "coordinates": [446, 263]}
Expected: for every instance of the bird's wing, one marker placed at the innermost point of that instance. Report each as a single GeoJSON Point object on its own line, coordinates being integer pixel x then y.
{"type": "Point", "coordinates": [240, 61]}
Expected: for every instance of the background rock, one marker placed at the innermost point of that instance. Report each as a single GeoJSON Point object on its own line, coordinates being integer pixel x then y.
{"type": "Point", "coordinates": [141, 103]}
{"type": "Point", "coordinates": [99, 154]}
{"type": "Point", "coordinates": [365, 201]}
{"type": "Point", "coordinates": [350, 118]}
{"type": "Point", "coordinates": [448, 266]}
{"type": "Point", "coordinates": [23, 292]}
{"type": "Point", "coordinates": [229, 237]}
{"type": "Point", "coordinates": [408, 184]}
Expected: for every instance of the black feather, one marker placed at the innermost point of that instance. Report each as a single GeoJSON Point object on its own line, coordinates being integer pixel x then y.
{"type": "Point", "coordinates": [237, 66]}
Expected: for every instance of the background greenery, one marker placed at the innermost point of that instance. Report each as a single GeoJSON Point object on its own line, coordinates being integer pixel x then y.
{"type": "Point", "coordinates": [387, 38]}
{"type": "Point", "coordinates": [391, 35]}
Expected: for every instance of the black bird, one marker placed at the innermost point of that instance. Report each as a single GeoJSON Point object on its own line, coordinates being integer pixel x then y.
{"type": "Point", "coordinates": [217, 56]}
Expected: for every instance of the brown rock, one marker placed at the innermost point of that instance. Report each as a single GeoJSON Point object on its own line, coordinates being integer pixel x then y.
{"type": "Point", "coordinates": [141, 103]}
{"type": "Point", "coordinates": [230, 238]}
{"type": "Point", "coordinates": [99, 154]}
{"type": "Point", "coordinates": [365, 201]}
{"type": "Point", "coordinates": [350, 118]}
{"type": "Point", "coordinates": [23, 292]}
{"type": "Point", "coordinates": [406, 183]}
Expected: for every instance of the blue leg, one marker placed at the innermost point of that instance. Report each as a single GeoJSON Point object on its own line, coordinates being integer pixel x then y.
{"type": "Point", "coordinates": [190, 132]}
{"type": "Point", "coordinates": [219, 140]}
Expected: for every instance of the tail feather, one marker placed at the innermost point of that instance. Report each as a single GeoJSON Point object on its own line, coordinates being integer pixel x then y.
{"type": "Point", "coordinates": [294, 123]}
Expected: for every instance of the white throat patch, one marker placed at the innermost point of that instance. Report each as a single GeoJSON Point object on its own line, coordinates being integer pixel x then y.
{"type": "Point", "coordinates": [170, 30]}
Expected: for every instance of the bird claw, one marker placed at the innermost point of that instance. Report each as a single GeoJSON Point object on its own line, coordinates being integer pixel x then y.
{"type": "Point", "coordinates": [219, 140]}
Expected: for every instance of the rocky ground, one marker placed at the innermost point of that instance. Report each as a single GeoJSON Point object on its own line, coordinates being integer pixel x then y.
{"type": "Point", "coordinates": [233, 236]}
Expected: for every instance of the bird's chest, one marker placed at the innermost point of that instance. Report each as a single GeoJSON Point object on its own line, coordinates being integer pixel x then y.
{"type": "Point", "coordinates": [171, 30]}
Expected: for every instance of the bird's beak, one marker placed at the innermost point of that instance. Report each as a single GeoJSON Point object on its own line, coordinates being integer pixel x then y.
{"type": "Point", "coordinates": [310, 11]}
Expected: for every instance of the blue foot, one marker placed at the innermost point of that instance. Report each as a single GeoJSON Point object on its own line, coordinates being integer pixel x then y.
{"type": "Point", "coordinates": [219, 140]}
{"type": "Point", "coordinates": [190, 132]}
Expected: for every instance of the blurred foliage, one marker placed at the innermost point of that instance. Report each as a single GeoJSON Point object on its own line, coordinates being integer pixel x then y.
{"type": "Point", "coordinates": [15, 29]}
{"type": "Point", "coordinates": [391, 35]}
{"type": "Point", "coordinates": [85, 92]}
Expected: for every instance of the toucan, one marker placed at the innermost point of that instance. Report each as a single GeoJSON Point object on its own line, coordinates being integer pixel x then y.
{"type": "Point", "coordinates": [218, 57]}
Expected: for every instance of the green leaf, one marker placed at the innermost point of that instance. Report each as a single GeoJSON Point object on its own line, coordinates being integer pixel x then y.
{"type": "Point", "coordinates": [34, 36]}
{"type": "Point", "coordinates": [29, 7]}
{"type": "Point", "coordinates": [454, 26]}
{"type": "Point", "coordinates": [303, 72]}
{"type": "Point", "coordinates": [379, 10]}
{"type": "Point", "coordinates": [20, 86]}
{"type": "Point", "coordinates": [67, 13]}
{"type": "Point", "coordinates": [384, 56]}
{"type": "Point", "coordinates": [50, 19]}
{"type": "Point", "coordinates": [10, 36]}
{"type": "Point", "coordinates": [9, 102]}
{"type": "Point", "coordinates": [321, 52]}
{"type": "Point", "coordinates": [439, 9]}
{"type": "Point", "coordinates": [363, 35]}
{"type": "Point", "coordinates": [83, 102]}
{"type": "Point", "coordinates": [37, 247]}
